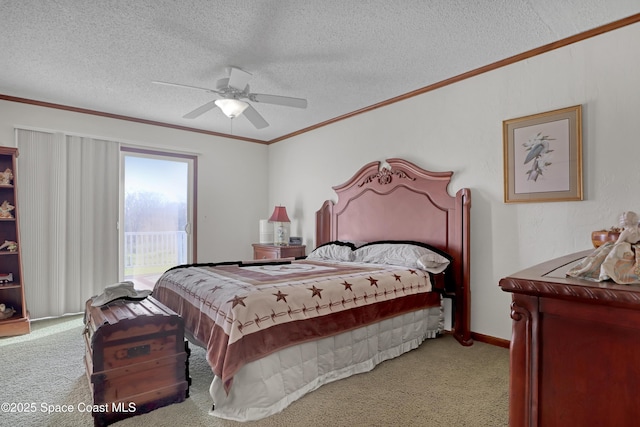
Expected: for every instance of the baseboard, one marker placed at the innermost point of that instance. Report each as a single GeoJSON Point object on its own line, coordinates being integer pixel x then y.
{"type": "Point", "coordinates": [490, 340]}
{"type": "Point", "coordinates": [487, 339]}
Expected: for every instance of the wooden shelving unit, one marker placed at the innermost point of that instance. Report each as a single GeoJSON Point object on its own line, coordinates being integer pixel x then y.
{"type": "Point", "coordinates": [11, 284]}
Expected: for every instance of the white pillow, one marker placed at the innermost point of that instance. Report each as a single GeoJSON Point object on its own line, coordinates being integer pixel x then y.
{"type": "Point", "coordinates": [433, 263]}
{"type": "Point", "coordinates": [332, 252]}
{"type": "Point", "coordinates": [403, 254]}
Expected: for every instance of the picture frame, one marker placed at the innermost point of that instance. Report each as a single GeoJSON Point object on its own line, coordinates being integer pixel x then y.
{"type": "Point", "coordinates": [543, 157]}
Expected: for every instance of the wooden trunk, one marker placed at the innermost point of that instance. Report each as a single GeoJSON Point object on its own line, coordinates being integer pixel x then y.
{"type": "Point", "coordinates": [136, 358]}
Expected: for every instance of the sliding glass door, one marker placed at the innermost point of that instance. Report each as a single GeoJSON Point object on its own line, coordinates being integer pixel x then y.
{"type": "Point", "coordinates": [157, 214]}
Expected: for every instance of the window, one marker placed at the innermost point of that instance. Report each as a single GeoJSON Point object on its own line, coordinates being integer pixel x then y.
{"type": "Point", "coordinates": [157, 213]}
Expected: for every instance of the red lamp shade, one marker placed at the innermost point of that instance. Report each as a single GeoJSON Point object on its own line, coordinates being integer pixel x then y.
{"type": "Point", "coordinates": [279, 215]}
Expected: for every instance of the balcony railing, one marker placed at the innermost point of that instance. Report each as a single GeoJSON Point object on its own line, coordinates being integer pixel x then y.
{"type": "Point", "coordinates": [143, 250]}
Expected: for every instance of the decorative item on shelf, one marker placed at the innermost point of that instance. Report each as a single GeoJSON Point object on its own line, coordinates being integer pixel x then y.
{"type": "Point", "coordinates": [628, 230]}
{"type": "Point", "coordinates": [6, 278]}
{"type": "Point", "coordinates": [266, 231]}
{"type": "Point", "coordinates": [6, 177]}
{"type": "Point", "coordinates": [600, 237]}
{"type": "Point", "coordinates": [281, 226]}
{"type": "Point", "coordinates": [9, 245]}
{"type": "Point", "coordinates": [6, 312]}
{"type": "Point", "coordinates": [5, 210]}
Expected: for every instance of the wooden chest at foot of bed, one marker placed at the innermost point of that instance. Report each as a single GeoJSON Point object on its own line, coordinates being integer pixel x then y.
{"type": "Point", "coordinates": [136, 358]}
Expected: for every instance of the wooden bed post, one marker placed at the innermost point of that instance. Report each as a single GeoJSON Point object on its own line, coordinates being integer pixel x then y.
{"type": "Point", "coordinates": [323, 223]}
{"type": "Point", "coordinates": [462, 327]}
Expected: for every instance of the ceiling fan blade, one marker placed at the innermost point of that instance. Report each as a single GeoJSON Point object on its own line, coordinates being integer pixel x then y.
{"type": "Point", "coordinates": [184, 86]}
{"type": "Point", "coordinates": [200, 110]}
{"type": "Point", "coordinates": [278, 100]}
{"type": "Point", "coordinates": [238, 79]}
{"type": "Point", "coordinates": [255, 118]}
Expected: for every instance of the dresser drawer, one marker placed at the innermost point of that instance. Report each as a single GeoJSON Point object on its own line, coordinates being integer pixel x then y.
{"type": "Point", "coordinates": [262, 251]}
{"type": "Point", "coordinates": [266, 253]}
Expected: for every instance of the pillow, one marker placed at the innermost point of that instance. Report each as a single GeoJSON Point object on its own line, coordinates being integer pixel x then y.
{"type": "Point", "coordinates": [333, 251]}
{"type": "Point", "coordinates": [339, 243]}
{"type": "Point", "coordinates": [433, 263]}
{"type": "Point", "coordinates": [356, 243]}
{"type": "Point", "coordinates": [403, 253]}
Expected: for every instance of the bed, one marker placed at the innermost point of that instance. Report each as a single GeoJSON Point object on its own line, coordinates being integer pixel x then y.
{"type": "Point", "coordinates": [387, 254]}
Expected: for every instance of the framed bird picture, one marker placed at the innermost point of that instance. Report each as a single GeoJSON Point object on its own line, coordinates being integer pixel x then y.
{"type": "Point", "coordinates": [543, 157]}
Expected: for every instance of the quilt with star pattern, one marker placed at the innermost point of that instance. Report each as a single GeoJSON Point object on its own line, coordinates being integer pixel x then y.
{"type": "Point", "coordinates": [241, 312]}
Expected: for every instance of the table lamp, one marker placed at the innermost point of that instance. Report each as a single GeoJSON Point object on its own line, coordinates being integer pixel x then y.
{"type": "Point", "coordinates": [281, 226]}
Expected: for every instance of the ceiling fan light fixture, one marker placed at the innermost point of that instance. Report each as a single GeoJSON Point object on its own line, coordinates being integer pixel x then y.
{"type": "Point", "coordinates": [231, 107]}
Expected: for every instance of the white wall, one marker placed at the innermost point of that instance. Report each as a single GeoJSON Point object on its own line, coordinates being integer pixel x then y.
{"type": "Point", "coordinates": [232, 191]}
{"type": "Point", "coordinates": [459, 128]}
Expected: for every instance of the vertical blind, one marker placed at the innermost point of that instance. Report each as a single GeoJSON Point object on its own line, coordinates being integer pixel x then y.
{"type": "Point", "coordinates": [68, 206]}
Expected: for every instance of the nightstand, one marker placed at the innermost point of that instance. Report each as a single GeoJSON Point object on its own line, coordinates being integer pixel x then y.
{"type": "Point", "coordinates": [266, 251]}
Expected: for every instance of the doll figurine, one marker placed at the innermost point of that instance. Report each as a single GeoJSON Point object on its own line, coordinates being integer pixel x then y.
{"type": "Point", "coordinates": [630, 228]}
{"type": "Point", "coordinates": [5, 210]}
{"type": "Point", "coordinates": [6, 177]}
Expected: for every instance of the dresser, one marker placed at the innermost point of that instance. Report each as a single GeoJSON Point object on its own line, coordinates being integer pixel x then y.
{"type": "Point", "coordinates": [265, 251]}
{"type": "Point", "coordinates": [575, 348]}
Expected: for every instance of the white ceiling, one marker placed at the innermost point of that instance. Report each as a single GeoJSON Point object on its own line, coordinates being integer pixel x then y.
{"type": "Point", "coordinates": [341, 55]}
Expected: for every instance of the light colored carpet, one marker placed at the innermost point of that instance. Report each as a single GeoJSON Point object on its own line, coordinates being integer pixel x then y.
{"type": "Point", "coordinates": [439, 384]}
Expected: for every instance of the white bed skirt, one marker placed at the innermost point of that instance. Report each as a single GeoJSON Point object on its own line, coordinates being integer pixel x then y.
{"type": "Point", "coordinates": [268, 385]}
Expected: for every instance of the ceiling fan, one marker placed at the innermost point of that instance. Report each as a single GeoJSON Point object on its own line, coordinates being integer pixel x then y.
{"type": "Point", "coordinates": [232, 91]}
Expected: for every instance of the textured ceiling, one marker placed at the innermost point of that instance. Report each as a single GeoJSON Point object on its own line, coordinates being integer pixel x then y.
{"type": "Point", "coordinates": [340, 55]}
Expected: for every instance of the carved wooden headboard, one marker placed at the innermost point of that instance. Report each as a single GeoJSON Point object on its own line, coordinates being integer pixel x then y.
{"type": "Point", "coordinates": [401, 201]}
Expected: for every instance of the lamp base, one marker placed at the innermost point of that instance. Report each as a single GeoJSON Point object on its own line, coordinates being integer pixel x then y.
{"type": "Point", "coordinates": [281, 233]}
